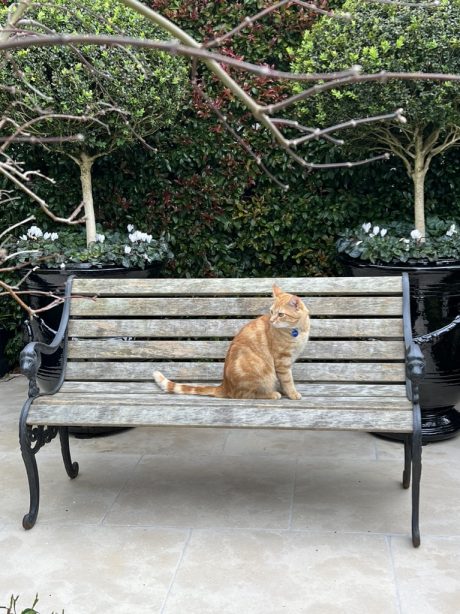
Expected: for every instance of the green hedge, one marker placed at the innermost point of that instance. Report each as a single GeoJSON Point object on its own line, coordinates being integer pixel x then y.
{"type": "Point", "coordinates": [223, 216]}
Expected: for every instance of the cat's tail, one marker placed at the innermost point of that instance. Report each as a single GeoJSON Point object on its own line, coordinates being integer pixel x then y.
{"type": "Point", "coordinates": [168, 386]}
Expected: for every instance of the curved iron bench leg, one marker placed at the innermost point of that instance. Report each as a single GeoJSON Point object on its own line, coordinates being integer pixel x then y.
{"type": "Point", "coordinates": [31, 439]}
{"type": "Point", "coordinates": [407, 461]}
{"type": "Point", "coordinates": [70, 467]}
{"type": "Point", "coordinates": [417, 471]}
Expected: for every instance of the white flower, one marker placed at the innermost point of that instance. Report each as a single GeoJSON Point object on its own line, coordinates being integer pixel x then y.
{"type": "Point", "coordinates": [23, 237]}
{"type": "Point", "coordinates": [99, 238]}
{"type": "Point", "coordinates": [63, 265]}
{"type": "Point", "coordinates": [376, 230]}
{"type": "Point", "coordinates": [51, 235]}
{"type": "Point", "coordinates": [127, 249]}
{"type": "Point", "coordinates": [416, 234]}
{"type": "Point", "coordinates": [404, 240]}
{"type": "Point", "coordinates": [140, 236]}
{"type": "Point", "coordinates": [130, 227]}
{"type": "Point", "coordinates": [366, 227]}
{"type": "Point", "coordinates": [34, 232]}
{"type": "Point", "coordinates": [383, 232]}
{"type": "Point", "coordinates": [452, 230]}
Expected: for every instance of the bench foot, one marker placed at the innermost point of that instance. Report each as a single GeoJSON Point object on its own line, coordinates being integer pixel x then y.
{"type": "Point", "coordinates": [70, 467]}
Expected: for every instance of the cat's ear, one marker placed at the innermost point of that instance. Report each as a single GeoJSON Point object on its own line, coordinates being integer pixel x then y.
{"type": "Point", "coordinates": [295, 302]}
{"type": "Point", "coordinates": [276, 291]}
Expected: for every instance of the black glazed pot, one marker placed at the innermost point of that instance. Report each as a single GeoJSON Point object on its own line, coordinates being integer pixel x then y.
{"type": "Point", "coordinates": [5, 366]}
{"type": "Point", "coordinates": [45, 327]}
{"type": "Point", "coordinates": [53, 280]}
{"type": "Point", "coordinates": [435, 302]}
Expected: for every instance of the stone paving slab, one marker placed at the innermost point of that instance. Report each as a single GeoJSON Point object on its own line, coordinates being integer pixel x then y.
{"type": "Point", "coordinates": [196, 521]}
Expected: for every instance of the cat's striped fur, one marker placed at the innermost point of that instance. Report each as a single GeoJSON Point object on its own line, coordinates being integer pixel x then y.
{"type": "Point", "coordinates": [260, 357]}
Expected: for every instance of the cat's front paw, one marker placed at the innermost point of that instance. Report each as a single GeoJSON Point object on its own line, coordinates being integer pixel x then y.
{"type": "Point", "coordinates": [295, 396]}
{"type": "Point", "coordinates": [275, 395]}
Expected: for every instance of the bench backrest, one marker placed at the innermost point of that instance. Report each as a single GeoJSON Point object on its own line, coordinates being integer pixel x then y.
{"type": "Point", "coordinates": [183, 327]}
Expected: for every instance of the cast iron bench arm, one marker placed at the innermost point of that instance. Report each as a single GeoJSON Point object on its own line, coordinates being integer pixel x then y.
{"type": "Point", "coordinates": [415, 363]}
{"type": "Point", "coordinates": [415, 370]}
{"type": "Point", "coordinates": [30, 357]}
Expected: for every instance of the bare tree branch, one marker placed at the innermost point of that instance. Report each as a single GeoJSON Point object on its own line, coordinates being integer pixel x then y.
{"type": "Point", "coordinates": [213, 60]}
{"type": "Point", "coordinates": [314, 132]}
{"type": "Point", "coordinates": [21, 33]}
{"type": "Point", "coordinates": [174, 49]}
{"type": "Point", "coordinates": [31, 218]}
{"type": "Point", "coordinates": [9, 172]}
{"type": "Point", "coordinates": [382, 76]}
{"type": "Point", "coordinates": [352, 123]}
{"type": "Point", "coordinates": [15, 13]}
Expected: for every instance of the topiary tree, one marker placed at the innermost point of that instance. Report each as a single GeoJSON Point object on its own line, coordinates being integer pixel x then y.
{"type": "Point", "coordinates": [391, 37]}
{"type": "Point", "coordinates": [109, 95]}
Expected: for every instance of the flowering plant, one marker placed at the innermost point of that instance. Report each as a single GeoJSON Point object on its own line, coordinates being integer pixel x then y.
{"type": "Point", "coordinates": [51, 249]}
{"type": "Point", "coordinates": [399, 242]}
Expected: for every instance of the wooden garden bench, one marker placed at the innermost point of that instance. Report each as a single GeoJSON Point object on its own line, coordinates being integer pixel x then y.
{"type": "Point", "coordinates": [359, 371]}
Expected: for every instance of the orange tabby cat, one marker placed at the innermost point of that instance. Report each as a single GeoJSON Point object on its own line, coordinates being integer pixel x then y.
{"type": "Point", "coordinates": [260, 356]}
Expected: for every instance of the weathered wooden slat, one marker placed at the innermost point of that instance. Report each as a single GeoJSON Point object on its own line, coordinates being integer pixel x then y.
{"type": "Point", "coordinates": [206, 328]}
{"type": "Point", "coordinates": [316, 390]}
{"type": "Point", "coordinates": [212, 371]}
{"type": "Point", "coordinates": [239, 286]}
{"type": "Point", "coordinates": [224, 415]}
{"type": "Point", "coordinates": [182, 400]}
{"type": "Point", "coordinates": [249, 306]}
{"type": "Point", "coordinates": [113, 349]}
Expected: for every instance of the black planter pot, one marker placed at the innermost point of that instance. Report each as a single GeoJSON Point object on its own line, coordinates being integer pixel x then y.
{"type": "Point", "coordinates": [5, 366]}
{"type": "Point", "coordinates": [435, 302]}
{"type": "Point", "coordinates": [45, 327]}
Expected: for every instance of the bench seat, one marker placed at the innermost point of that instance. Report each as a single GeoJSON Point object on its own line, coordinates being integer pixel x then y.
{"type": "Point", "coordinates": [319, 408]}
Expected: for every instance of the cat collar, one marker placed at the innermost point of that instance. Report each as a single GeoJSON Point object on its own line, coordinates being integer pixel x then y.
{"type": "Point", "coordinates": [295, 332]}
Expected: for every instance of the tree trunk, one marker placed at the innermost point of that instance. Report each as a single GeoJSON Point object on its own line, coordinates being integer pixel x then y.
{"type": "Point", "coordinates": [418, 177]}
{"type": "Point", "coordinates": [85, 163]}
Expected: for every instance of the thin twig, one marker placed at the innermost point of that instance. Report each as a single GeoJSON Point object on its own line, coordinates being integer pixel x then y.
{"type": "Point", "coordinates": [315, 132]}
{"type": "Point", "coordinates": [247, 148]}
{"type": "Point", "coordinates": [248, 22]}
{"type": "Point", "coordinates": [358, 78]}
{"type": "Point", "coordinates": [40, 201]}
{"type": "Point", "coordinates": [39, 140]}
{"type": "Point", "coordinates": [352, 123]}
{"type": "Point", "coordinates": [14, 295]}
{"type": "Point", "coordinates": [31, 218]}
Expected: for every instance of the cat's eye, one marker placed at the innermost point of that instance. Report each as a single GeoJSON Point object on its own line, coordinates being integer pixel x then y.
{"type": "Point", "coordinates": [281, 315]}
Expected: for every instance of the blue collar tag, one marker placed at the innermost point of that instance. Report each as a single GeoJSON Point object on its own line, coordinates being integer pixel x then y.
{"type": "Point", "coordinates": [294, 332]}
